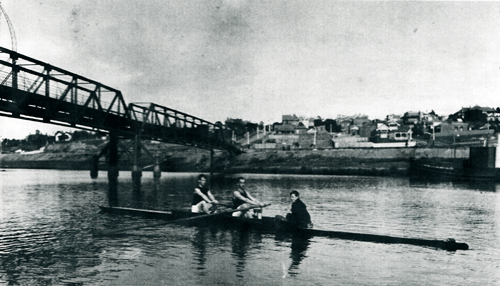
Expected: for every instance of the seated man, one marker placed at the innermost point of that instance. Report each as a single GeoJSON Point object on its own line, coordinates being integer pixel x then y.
{"type": "Point", "coordinates": [300, 216]}
{"type": "Point", "coordinates": [202, 197]}
{"type": "Point", "coordinates": [242, 199]}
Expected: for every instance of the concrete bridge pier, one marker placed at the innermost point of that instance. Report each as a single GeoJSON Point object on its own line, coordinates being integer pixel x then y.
{"type": "Point", "coordinates": [157, 173]}
{"type": "Point", "coordinates": [113, 170]}
{"type": "Point", "coordinates": [211, 166]}
{"type": "Point", "coordinates": [94, 167]}
{"type": "Point", "coordinates": [156, 168]}
{"type": "Point", "coordinates": [136, 170]}
{"type": "Point", "coordinates": [136, 178]}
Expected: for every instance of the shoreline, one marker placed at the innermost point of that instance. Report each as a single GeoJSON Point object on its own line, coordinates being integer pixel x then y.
{"type": "Point", "coordinates": [78, 166]}
{"type": "Point", "coordinates": [321, 165]}
{"type": "Point", "coordinates": [367, 161]}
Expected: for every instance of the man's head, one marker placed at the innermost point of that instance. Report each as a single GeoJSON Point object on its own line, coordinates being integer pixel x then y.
{"type": "Point", "coordinates": [294, 195]}
{"type": "Point", "coordinates": [241, 182]}
{"type": "Point", "coordinates": [202, 179]}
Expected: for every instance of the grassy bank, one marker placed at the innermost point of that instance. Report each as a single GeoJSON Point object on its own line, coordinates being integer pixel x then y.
{"type": "Point", "coordinates": [318, 162]}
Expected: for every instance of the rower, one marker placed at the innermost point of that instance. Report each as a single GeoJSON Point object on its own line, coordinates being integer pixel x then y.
{"type": "Point", "coordinates": [299, 216]}
{"type": "Point", "coordinates": [202, 197]}
{"type": "Point", "coordinates": [243, 199]}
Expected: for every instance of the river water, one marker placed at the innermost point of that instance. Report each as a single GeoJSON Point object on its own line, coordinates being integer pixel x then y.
{"type": "Point", "coordinates": [47, 218]}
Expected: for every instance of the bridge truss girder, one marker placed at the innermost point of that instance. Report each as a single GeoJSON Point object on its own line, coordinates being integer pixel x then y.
{"type": "Point", "coordinates": [34, 90]}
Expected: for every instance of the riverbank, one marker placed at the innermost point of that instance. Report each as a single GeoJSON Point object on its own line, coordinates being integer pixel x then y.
{"type": "Point", "coordinates": [371, 162]}
{"type": "Point", "coordinates": [175, 158]}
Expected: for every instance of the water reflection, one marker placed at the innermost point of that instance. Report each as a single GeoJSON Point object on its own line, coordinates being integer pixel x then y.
{"type": "Point", "coordinates": [47, 265]}
{"type": "Point", "coordinates": [299, 247]}
{"type": "Point", "coordinates": [46, 220]}
{"type": "Point", "coordinates": [240, 241]}
{"type": "Point", "coordinates": [113, 197]}
{"type": "Point", "coordinates": [243, 241]}
{"type": "Point", "coordinates": [200, 247]}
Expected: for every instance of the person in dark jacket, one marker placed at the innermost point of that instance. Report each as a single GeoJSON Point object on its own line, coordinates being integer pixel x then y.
{"type": "Point", "coordinates": [299, 216]}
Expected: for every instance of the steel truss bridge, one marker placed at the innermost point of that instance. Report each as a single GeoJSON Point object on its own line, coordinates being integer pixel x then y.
{"type": "Point", "coordinates": [33, 90]}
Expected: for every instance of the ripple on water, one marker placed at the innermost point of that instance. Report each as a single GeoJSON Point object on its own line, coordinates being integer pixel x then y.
{"type": "Point", "coordinates": [45, 234]}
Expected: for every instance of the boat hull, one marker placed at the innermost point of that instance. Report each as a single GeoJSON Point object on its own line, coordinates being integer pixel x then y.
{"type": "Point", "coordinates": [454, 173]}
{"type": "Point", "coordinates": [277, 225]}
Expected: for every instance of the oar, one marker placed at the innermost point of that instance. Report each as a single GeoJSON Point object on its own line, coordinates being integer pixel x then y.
{"type": "Point", "coordinates": [114, 231]}
{"type": "Point", "coordinates": [230, 205]}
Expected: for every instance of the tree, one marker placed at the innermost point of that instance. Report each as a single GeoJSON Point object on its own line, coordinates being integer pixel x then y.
{"type": "Point", "coordinates": [37, 140]}
{"type": "Point", "coordinates": [331, 125]}
{"type": "Point", "coordinates": [236, 125]}
{"type": "Point", "coordinates": [318, 122]}
{"type": "Point", "coordinates": [251, 127]}
{"type": "Point", "coordinates": [82, 135]}
{"type": "Point", "coordinates": [261, 125]}
{"type": "Point", "coordinates": [475, 115]}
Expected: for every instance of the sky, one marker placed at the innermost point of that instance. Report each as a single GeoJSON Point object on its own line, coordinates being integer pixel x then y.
{"type": "Point", "coordinates": [258, 60]}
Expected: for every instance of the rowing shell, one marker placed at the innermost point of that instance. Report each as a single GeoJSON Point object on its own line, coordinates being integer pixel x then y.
{"type": "Point", "coordinates": [278, 225]}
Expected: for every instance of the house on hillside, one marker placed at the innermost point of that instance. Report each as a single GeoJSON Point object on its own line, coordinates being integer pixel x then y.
{"type": "Point", "coordinates": [458, 132]}
{"type": "Point", "coordinates": [300, 129]}
{"type": "Point", "coordinates": [493, 117]}
{"type": "Point", "coordinates": [402, 133]}
{"type": "Point", "coordinates": [357, 123]}
{"type": "Point", "coordinates": [395, 117]}
{"type": "Point", "coordinates": [462, 113]}
{"type": "Point", "coordinates": [392, 125]}
{"type": "Point", "coordinates": [354, 130]}
{"type": "Point", "coordinates": [429, 118]}
{"type": "Point", "coordinates": [345, 125]}
{"type": "Point", "coordinates": [384, 133]}
{"type": "Point", "coordinates": [367, 129]}
{"type": "Point", "coordinates": [360, 121]}
{"type": "Point", "coordinates": [290, 120]}
{"type": "Point", "coordinates": [411, 118]}
{"type": "Point", "coordinates": [321, 128]}
{"type": "Point", "coordinates": [290, 124]}
{"type": "Point", "coordinates": [380, 133]}
{"type": "Point", "coordinates": [447, 127]}
{"type": "Point", "coordinates": [290, 129]}
{"type": "Point", "coordinates": [284, 129]}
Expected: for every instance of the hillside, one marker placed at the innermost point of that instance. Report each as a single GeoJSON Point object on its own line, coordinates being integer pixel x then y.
{"type": "Point", "coordinates": [77, 156]}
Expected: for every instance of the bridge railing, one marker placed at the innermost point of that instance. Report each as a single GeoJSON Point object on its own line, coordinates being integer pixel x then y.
{"type": "Point", "coordinates": [27, 74]}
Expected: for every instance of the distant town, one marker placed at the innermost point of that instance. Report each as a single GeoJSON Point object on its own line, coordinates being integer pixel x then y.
{"type": "Point", "coordinates": [468, 126]}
